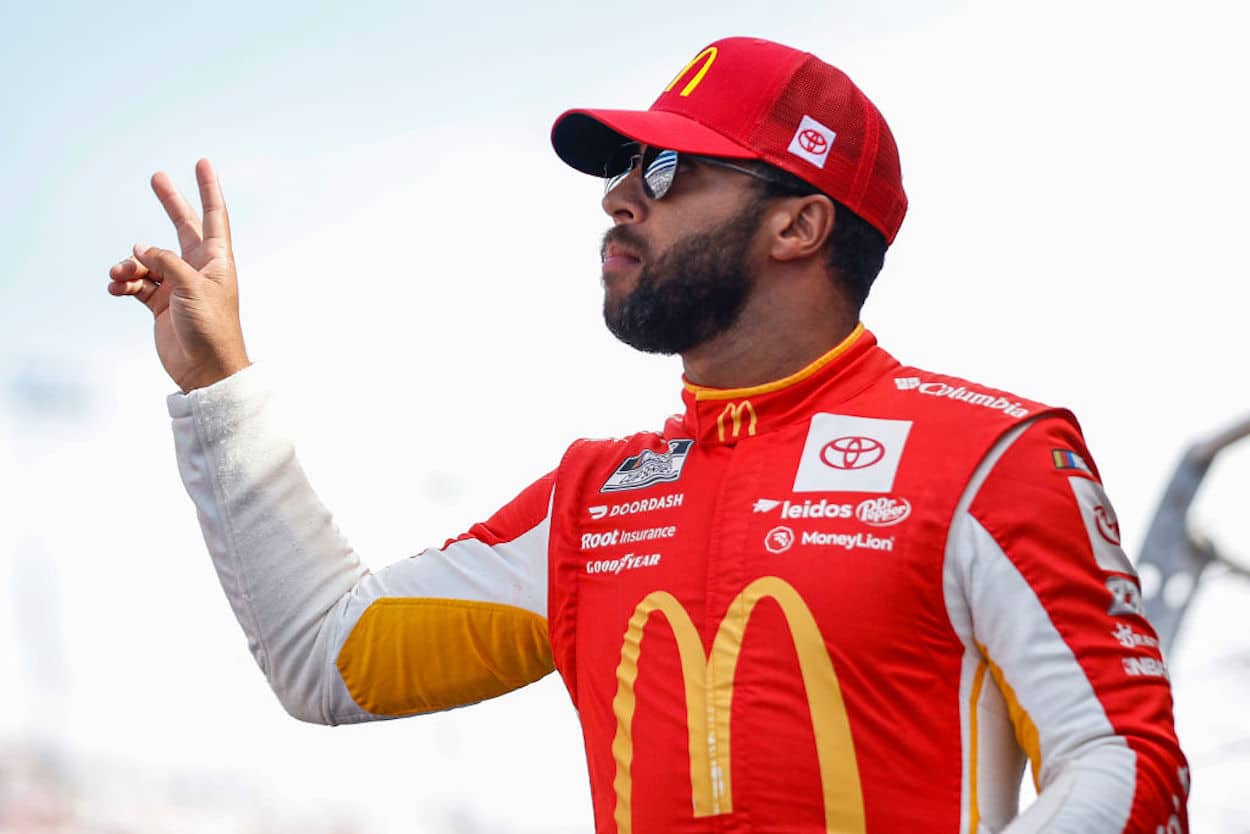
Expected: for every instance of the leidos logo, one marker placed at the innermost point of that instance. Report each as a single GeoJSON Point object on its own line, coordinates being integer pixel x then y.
{"type": "Point", "coordinates": [708, 683]}
{"type": "Point", "coordinates": [851, 454]}
{"type": "Point", "coordinates": [808, 509]}
{"type": "Point", "coordinates": [707, 56]}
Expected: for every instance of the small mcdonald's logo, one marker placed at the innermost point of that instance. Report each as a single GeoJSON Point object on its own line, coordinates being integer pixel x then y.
{"type": "Point", "coordinates": [731, 418]}
{"type": "Point", "coordinates": [707, 56]}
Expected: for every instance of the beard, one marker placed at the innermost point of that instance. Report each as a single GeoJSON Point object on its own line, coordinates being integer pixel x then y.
{"type": "Point", "coordinates": [692, 293]}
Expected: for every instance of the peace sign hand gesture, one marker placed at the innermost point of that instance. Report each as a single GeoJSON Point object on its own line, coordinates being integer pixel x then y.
{"type": "Point", "coordinates": [194, 297]}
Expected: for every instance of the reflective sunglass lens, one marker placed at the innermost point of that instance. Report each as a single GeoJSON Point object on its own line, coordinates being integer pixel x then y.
{"type": "Point", "coordinates": [658, 169]}
{"type": "Point", "coordinates": [613, 181]}
{"type": "Point", "coordinates": [658, 174]}
{"type": "Point", "coordinates": [619, 166]}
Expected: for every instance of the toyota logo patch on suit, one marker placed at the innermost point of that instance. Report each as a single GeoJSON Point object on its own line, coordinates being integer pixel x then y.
{"type": "Point", "coordinates": [843, 453]}
{"type": "Point", "coordinates": [852, 452]}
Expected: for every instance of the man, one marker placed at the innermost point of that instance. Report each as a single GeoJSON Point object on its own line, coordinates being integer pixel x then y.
{"type": "Point", "coordinates": [835, 594]}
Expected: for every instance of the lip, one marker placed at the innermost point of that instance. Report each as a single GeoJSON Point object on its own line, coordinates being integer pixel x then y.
{"type": "Point", "coordinates": [617, 257]}
{"type": "Point", "coordinates": [616, 251]}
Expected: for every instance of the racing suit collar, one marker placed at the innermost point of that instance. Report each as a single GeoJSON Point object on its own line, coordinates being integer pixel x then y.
{"type": "Point", "coordinates": [723, 416]}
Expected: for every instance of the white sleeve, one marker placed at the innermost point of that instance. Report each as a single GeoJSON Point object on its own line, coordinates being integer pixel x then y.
{"type": "Point", "coordinates": [298, 589]}
{"type": "Point", "coordinates": [1030, 601]}
{"type": "Point", "coordinates": [1086, 779]}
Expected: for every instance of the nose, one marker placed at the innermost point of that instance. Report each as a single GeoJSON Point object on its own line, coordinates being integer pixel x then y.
{"type": "Point", "coordinates": [626, 203]}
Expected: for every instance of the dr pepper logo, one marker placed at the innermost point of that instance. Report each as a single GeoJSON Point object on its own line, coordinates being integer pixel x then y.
{"type": "Point", "coordinates": [883, 512]}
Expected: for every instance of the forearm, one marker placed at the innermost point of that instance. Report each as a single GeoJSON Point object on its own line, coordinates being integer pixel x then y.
{"type": "Point", "coordinates": [338, 644]}
{"type": "Point", "coordinates": [1077, 800]}
{"type": "Point", "coordinates": [282, 563]}
{"type": "Point", "coordinates": [1051, 607]}
{"type": "Point", "coordinates": [1081, 798]}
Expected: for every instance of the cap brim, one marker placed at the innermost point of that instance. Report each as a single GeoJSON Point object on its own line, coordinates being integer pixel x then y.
{"type": "Point", "coordinates": [586, 139]}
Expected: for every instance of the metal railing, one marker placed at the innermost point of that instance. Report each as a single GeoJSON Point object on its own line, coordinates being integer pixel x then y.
{"type": "Point", "coordinates": [1173, 557]}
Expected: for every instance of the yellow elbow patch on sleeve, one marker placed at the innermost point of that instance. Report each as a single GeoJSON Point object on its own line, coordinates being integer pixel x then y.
{"type": "Point", "coordinates": [406, 656]}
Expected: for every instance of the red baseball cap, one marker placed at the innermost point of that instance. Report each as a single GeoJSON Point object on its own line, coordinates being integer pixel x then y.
{"type": "Point", "coordinates": [747, 98]}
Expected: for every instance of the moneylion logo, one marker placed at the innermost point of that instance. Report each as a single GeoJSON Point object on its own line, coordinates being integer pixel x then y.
{"type": "Point", "coordinates": [779, 540]}
{"type": "Point", "coordinates": [708, 682]}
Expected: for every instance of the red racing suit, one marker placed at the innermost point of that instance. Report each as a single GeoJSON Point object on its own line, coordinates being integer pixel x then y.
{"type": "Point", "coordinates": [858, 599]}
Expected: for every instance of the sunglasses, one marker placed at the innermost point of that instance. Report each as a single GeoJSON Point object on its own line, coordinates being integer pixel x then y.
{"type": "Point", "coordinates": [659, 168]}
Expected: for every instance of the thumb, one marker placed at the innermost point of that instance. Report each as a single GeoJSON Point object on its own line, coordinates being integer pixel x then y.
{"type": "Point", "coordinates": [165, 265]}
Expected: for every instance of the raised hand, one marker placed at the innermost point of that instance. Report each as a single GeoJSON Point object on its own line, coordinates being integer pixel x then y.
{"type": "Point", "coordinates": [193, 296]}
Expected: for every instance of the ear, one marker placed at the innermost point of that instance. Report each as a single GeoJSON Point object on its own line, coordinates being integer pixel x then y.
{"type": "Point", "coordinates": [800, 226]}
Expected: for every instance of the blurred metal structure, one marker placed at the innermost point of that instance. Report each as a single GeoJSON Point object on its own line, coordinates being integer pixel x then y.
{"type": "Point", "coordinates": [1173, 557]}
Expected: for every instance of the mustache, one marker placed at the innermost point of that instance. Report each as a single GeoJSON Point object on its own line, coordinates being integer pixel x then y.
{"type": "Point", "coordinates": [625, 236]}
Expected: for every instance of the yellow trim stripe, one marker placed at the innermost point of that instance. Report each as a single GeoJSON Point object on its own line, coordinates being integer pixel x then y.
{"type": "Point", "coordinates": [701, 393]}
{"type": "Point", "coordinates": [974, 810]}
{"type": "Point", "coordinates": [1026, 731]}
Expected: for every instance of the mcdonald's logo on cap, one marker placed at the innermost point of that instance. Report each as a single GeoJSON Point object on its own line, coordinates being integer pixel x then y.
{"type": "Point", "coordinates": [709, 688]}
{"type": "Point", "coordinates": [708, 57]}
{"type": "Point", "coordinates": [733, 412]}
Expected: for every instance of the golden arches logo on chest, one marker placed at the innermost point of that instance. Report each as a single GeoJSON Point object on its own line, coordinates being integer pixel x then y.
{"type": "Point", "coordinates": [709, 687]}
{"type": "Point", "coordinates": [708, 57]}
{"type": "Point", "coordinates": [730, 422]}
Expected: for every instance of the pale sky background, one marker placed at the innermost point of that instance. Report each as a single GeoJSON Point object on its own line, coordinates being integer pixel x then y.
{"type": "Point", "coordinates": [420, 273]}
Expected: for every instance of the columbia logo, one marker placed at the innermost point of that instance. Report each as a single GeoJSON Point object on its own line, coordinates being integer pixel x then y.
{"type": "Point", "coordinates": [907, 383]}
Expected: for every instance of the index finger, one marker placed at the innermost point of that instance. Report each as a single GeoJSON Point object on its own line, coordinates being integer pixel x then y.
{"type": "Point", "coordinates": [216, 220]}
